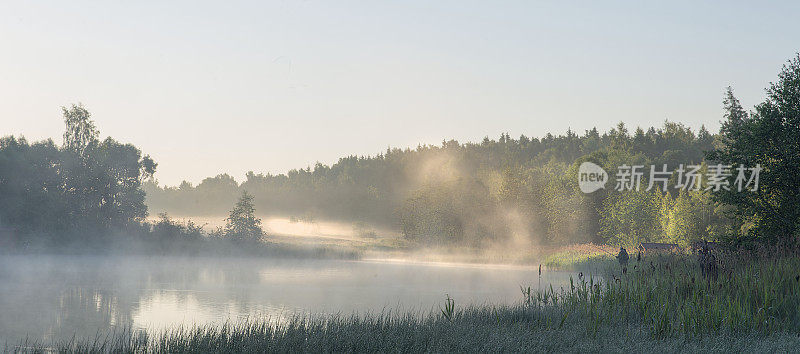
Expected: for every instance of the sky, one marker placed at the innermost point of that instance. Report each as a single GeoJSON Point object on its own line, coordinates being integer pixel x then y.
{"type": "Point", "coordinates": [267, 86]}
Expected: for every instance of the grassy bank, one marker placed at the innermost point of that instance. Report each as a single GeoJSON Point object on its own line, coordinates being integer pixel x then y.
{"type": "Point", "coordinates": [580, 257]}
{"type": "Point", "coordinates": [661, 303]}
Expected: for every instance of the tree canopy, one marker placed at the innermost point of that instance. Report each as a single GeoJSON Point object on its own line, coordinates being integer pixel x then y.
{"type": "Point", "coordinates": [767, 137]}
{"type": "Point", "coordinates": [84, 188]}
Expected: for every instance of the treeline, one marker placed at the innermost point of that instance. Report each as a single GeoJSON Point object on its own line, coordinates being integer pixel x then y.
{"type": "Point", "coordinates": [510, 191]}
{"type": "Point", "coordinates": [86, 195]}
{"type": "Point", "coordinates": [522, 189]}
{"type": "Point", "coordinates": [525, 190]}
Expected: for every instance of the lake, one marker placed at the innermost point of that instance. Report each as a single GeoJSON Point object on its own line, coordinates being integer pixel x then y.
{"type": "Point", "coordinates": [49, 298]}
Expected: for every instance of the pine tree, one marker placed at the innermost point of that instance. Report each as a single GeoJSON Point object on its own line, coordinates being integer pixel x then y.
{"type": "Point", "coordinates": [242, 224]}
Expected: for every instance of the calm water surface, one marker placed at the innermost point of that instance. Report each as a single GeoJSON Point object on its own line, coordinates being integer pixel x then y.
{"type": "Point", "coordinates": [50, 298]}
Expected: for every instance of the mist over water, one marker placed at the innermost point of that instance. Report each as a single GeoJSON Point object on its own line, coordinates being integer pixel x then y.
{"type": "Point", "coordinates": [52, 298]}
{"type": "Point", "coordinates": [285, 226]}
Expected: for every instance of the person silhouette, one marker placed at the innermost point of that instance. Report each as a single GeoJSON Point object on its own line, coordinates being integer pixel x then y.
{"type": "Point", "coordinates": [622, 257]}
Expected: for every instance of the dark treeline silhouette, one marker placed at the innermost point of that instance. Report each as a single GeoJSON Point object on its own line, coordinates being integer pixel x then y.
{"type": "Point", "coordinates": [85, 189]}
{"type": "Point", "coordinates": [86, 195]}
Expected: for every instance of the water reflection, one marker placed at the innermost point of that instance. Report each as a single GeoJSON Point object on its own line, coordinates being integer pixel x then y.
{"type": "Point", "coordinates": [57, 297]}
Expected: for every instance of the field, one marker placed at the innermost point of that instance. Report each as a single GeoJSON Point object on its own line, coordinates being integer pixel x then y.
{"type": "Point", "coordinates": [663, 302]}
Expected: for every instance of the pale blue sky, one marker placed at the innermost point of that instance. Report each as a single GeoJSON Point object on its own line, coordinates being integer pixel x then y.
{"type": "Point", "coordinates": [212, 87]}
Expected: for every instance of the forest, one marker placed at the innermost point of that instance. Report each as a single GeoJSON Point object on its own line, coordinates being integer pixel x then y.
{"type": "Point", "coordinates": [488, 192]}
{"type": "Point", "coordinates": [522, 190]}
{"type": "Point", "coordinates": [526, 189]}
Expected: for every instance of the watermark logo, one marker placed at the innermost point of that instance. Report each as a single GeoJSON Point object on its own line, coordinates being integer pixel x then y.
{"type": "Point", "coordinates": [591, 177]}
{"type": "Point", "coordinates": [690, 177]}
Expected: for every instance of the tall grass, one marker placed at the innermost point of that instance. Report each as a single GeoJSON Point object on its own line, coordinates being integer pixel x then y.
{"type": "Point", "coordinates": [583, 256]}
{"type": "Point", "coordinates": [661, 303]}
{"type": "Point", "coordinates": [482, 329]}
{"type": "Point", "coordinates": [669, 295]}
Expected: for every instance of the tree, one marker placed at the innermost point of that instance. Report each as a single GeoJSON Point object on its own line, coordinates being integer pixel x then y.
{"type": "Point", "coordinates": [119, 184]}
{"type": "Point", "coordinates": [631, 217]}
{"type": "Point", "coordinates": [768, 137]}
{"type": "Point", "coordinates": [86, 189]}
{"type": "Point", "coordinates": [687, 218]}
{"type": "Point", "coordinates": [80, 131]}
{"type": "Point", "coordinates": [242, 224]}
